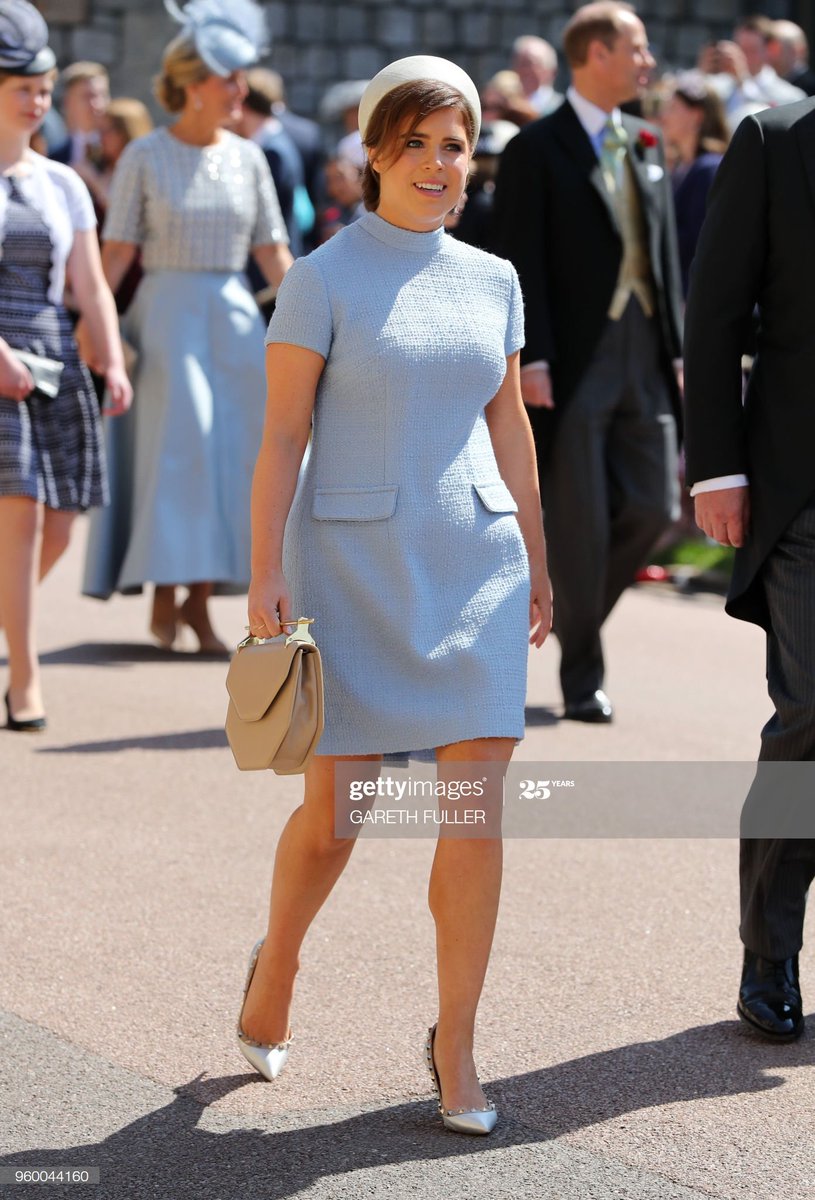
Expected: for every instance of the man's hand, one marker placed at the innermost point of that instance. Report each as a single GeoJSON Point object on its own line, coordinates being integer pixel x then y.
{"type": "Point", "coordinates": [724, 515]}
{"type": "Point", "coordinates": [536, 386]}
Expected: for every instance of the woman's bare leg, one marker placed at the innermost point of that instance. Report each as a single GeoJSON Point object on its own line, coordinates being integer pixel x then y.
{"type": "Point", "coordinates": [21, 525]}
{"type": "Point", "coordinates": [195, 612]}
{"type": "Point", "coordinates": [164, 616]}
{"type": "Point", "coordinates": [308, 862]}
{"type": "Point", "coordinates": [56, 537]}
{"type": "Point", "coordinates": [465, 886]}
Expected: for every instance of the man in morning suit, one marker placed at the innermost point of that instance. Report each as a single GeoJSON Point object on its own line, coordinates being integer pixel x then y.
{"type": "Point", "coordinates": [751, 466]}
{"type": "Point", "coordinates": [584, 211]}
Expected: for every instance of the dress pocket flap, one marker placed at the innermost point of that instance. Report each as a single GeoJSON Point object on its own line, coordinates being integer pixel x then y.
{"type": "Point", "coordinates": [496, 497]}
{"type": "Point", "coordinates": [355, 504]}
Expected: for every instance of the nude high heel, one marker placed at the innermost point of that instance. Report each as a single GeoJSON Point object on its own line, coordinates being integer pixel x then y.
{"type": "Point", "coordinates": [479, 1121]}
{"type": "Point", "coordinates": [268, 1061]}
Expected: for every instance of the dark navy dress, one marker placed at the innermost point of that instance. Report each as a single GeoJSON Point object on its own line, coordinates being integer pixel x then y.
{"type": "Point", "coordinates": [50, 450]}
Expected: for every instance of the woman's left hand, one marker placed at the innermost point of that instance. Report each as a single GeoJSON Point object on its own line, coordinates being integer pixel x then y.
{"type": "Point", "coordinates": [118, 392]}
{"type": "Point", "coordinates": [540, 608]}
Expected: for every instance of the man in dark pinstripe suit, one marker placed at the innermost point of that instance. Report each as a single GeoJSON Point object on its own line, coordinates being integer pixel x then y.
{"type": "Point", "coordinates": [752, 467]}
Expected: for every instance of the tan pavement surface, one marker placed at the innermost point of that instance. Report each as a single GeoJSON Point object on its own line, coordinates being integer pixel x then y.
{"type": "Point", "coordinates": [134, 871]}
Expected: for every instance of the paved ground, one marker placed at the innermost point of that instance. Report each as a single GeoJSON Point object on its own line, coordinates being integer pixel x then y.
{"type": "Point", "coordinates": [135, 867]}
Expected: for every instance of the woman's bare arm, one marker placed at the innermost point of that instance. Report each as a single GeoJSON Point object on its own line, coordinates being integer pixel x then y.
{"type": "Point", "coordinates": [292, 375]}
{"type": "Point", "coordinates": [98, 310]}
{"type": "Point", "coordinates": [514, 448]}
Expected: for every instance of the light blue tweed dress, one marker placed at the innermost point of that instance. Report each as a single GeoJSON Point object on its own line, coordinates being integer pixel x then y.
{"type": "Point", "coordinates": [401, 540]}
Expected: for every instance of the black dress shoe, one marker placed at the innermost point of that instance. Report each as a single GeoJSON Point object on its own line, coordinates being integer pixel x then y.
{"type": "Point", "coordinates": [770, 998]}
{"type": "Point", "coordinates": [595, 709]}
{"type": "Point", "coordinates": [33, 725]}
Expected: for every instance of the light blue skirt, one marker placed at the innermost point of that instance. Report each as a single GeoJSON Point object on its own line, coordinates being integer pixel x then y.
{"type": "Point", "coordinates": [181, 461]}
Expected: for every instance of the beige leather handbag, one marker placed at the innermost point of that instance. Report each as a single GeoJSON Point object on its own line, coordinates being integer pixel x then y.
{"type": "Point", "coordinates": [275, 715]}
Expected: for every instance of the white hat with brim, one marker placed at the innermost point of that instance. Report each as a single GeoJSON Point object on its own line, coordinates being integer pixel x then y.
{"type": "Point", "coordinates": [419, 67]}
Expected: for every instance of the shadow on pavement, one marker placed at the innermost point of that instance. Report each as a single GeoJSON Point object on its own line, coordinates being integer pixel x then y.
{"type": "Point", "coordinates": [166, 1154]}
{"type": "Point", "coordinates": [115, 654]}
{"type": "Point", "coordinates": [537, 714]}
{"type": "Point", "coordinates": [189, 739]}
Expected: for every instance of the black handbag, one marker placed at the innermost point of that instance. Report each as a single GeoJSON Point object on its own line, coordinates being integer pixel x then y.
{"type": "Point", "coordinates": [46, 373]}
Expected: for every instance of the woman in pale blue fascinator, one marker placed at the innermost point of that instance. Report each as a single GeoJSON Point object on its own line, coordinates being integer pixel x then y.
{"type": "Point", "coordinates": [196, 199]}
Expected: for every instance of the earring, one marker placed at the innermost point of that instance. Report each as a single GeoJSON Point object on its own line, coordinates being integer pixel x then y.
{"type": "Point", "coordinates": [197, 103]}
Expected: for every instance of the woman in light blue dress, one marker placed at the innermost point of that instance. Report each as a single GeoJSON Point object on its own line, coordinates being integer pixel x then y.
{"type": "Point", "coordinates": [195, 198]}
{"type": "Point", "coordinates": [414, 538]}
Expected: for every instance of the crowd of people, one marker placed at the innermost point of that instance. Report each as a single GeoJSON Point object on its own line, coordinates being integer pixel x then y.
{"type": "Point", "coordinates": [550, 372]}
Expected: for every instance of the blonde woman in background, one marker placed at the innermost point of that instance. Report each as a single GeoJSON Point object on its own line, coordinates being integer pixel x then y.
{"type": "Point", "coordinates": [196, 198]}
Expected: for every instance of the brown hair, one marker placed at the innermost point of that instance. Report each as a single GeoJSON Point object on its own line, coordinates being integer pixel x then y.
{"type": "Point", "coordinates": [181, 65]}
{"type": "Point", "coordinates": [714, 131]}
{"type": "Point", "coordinates": [129, 117]}
{"type": "Point", "coordinates": [81, 72]}
{"type": "Point", "coordinates": [599, 22]}
{"type": "Point", "coordinates": [763, 26]}
{"type": "Point", "coordinates": [410, 102]}
{"type": "Point", "coordinates": [265, 91]}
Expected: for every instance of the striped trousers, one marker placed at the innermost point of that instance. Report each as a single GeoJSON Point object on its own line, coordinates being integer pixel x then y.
{"type": "Point", "coordinates": [775, 873]}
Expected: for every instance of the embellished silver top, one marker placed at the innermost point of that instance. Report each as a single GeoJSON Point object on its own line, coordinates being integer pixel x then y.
{"type": "Point", "coordinates": [193, 208]}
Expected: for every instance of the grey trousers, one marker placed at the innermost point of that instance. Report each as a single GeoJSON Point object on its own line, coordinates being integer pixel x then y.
{"type": "Point", "coordinates": [609, 489]}
{"type": "Point", "coordinates": [775, 873]}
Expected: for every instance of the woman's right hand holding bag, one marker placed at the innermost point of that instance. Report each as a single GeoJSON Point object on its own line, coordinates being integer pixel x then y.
{"type": "Point", "coordinates": [15, 378]}
{"type": "Point", "coordinates": [269, 605]}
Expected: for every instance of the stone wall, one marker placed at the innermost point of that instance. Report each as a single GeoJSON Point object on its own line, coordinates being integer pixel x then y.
{"type": "Point", "coordinates": [316, 44]}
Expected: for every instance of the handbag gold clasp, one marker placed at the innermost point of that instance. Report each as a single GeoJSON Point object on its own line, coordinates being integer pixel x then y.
{"type": "Point", "coordinates": [300, 634]}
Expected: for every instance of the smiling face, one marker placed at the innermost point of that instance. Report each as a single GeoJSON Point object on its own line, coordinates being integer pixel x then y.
{"type": "Point", "coordinates": [629, 63]}
{"type": "Point", "coordinates": [424, 175]}
{"type": "Point", "coordinates": [218, 100]}
{"type": "Point", "coordinates": [24, 101]}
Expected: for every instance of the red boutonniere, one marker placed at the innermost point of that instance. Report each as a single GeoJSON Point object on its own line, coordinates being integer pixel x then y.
{"type": "Point", "coordinates": [647, 140]}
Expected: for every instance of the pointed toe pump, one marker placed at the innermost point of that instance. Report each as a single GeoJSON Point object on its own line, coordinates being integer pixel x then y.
{"type": "Point", "coordinates": [478, 1121]}
{"type": "Point", "coordinates": [267, 1060]}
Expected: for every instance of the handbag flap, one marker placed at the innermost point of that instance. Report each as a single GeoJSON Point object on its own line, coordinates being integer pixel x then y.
{"type": "Point", "coordinates": [256, 675]}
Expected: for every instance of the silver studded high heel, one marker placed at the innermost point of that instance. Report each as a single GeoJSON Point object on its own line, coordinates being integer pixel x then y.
{"type": "Point", "coordinates": [460, 1120]}
{"type": "Point", "coordinates": [268, 1061]}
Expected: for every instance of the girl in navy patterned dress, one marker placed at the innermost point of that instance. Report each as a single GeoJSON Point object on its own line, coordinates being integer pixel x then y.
{"type": "Point", "coordinates": [51, 462]}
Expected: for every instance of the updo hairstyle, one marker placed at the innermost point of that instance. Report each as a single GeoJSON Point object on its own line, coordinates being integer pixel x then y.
{"type": "Point", "coordinates": [407, 106]}
{"type": "Point", "coordinates": [181, 65]}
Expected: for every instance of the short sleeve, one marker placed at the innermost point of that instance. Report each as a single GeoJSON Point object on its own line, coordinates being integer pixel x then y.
{"type": "Point", "coordinates": [125, 221]}
{"type": "Point", "coordinates": [80, 205]}
{"type": "Point", "coordinates": [514, 339]}
{"type": "Point", "coordinates": [270, 227]}
{"type": "Point", "coordinates": [302, 315]}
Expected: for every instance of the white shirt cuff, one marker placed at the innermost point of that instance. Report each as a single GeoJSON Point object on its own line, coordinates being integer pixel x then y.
{"type": "Point", "coordinates": [718, 483]}
{"type": "Point", "coordinates": [539, 365]}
